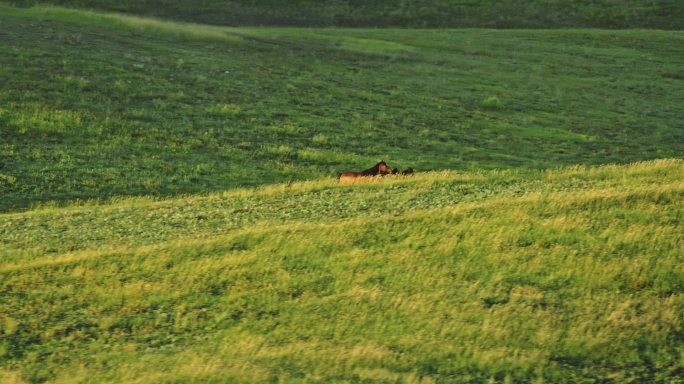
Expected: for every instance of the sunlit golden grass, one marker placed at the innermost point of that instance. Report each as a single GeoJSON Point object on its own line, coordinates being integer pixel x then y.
{"type": "Point", "coordinates": [610, 174]}
{"type": "Point", "coordinates": [564, 283]}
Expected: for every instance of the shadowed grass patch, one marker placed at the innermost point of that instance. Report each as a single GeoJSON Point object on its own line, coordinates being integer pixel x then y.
{"type": "Point", "coordinates": [99, 105]}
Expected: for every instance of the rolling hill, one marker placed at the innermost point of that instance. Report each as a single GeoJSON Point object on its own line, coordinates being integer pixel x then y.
{"type": "Point", "coordinates": [95, 106]}
{"type": "Point", "coordinates": [169, 212]}
{"type": "Point", "coordinates": [571, 275]}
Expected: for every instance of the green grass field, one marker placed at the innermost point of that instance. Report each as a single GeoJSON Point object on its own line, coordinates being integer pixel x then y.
{"type": "Point", "coordinates": [95, 106]}
{"type": "Point", "coordinates": [169, 212]}
{"type": "Point", "coordinates": [572, 275]}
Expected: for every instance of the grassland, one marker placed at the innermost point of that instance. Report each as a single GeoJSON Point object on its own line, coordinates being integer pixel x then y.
{"type": "Point", "coordinates": [569, 275]}
{"type": "Point", "coordinates": [168, 211]}
{"type": "Point", "coordinates": [95, 106]}
{"type": "Point", "coordinates": [657, 14]}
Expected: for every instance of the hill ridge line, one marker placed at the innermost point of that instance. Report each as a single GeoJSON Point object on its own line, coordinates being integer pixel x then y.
{"type": "Point", "coordinates": [331, 183]}
{"type": "Point", "coordinates": [269, 226]}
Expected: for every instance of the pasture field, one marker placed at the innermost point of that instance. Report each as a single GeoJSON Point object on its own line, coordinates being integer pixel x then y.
{"type": "Point", "coordinates": [96, 106]}
{"type": "Point", "coordinates": [169, 213]}
{"type": "Point", "coordinates": [657, 14]}
{"type": "Point", "coordinates": [572, 275]}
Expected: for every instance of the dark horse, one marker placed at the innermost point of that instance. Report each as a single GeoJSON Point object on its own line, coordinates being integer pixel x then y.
{"type": "Point", "coordinates": [405, 172]}
{"type": "Point", "coordinates": [378, 169]}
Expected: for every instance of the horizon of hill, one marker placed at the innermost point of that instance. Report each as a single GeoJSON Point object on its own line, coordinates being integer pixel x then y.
{"type": "Point", "coordinates": [652, 14]}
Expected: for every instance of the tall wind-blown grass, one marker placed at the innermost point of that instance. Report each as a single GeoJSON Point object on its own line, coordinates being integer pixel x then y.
{"type": "Point", "coordinates": [570, 275]}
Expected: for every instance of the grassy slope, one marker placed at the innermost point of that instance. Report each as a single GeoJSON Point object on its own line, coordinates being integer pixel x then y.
{"type": "Point", "coordinates": [95, 106]}
{"type": "Point", "coordinates": [659, 14]}
{"type": "Point", "coordinates": [568, 275]}
{"type": "Point", "coordinates": [571, 275]}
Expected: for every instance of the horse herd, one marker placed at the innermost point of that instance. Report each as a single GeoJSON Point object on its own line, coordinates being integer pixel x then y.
{"type": "Point", "coordinates": [379, 169]}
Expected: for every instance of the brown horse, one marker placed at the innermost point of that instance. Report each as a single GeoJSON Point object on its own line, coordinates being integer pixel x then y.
{"type": "Point", "coordinates": [378, 169]}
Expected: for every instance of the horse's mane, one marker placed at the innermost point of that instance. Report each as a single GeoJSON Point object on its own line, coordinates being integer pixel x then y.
{"type": "Point", "coordinates": [373, 171]}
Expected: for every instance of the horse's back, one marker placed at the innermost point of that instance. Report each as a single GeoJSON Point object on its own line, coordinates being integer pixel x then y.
{"type": "Point", "coordinates": [348, 176]}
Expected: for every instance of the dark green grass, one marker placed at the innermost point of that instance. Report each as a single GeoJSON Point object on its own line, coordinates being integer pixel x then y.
{"type": "Point", "coordinates": [659, 14]}
{"type": "Point", "coordinates": [567, 276]}
{"type": "Point", "coordinates": [94, 106]}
